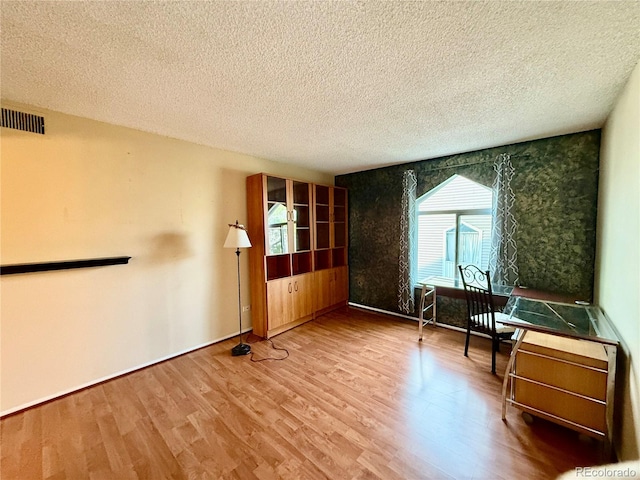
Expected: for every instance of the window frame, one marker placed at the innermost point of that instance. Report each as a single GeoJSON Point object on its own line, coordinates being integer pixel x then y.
{"type": "Point", "coordinates": [458, 214]}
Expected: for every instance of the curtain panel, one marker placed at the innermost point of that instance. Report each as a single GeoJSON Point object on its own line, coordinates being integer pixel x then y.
{"type": "Point", "coordinates": [503, 261]}
{"type": "Point", "coordinates": [406, 280]}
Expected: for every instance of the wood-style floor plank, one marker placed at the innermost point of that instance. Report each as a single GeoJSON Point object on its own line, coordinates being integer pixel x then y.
{"type": "Point", "coordinates": [358, 398]}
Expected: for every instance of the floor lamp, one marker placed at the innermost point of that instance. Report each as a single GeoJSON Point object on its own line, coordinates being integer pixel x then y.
{"type": "Point", "coordinates": [237, 238]}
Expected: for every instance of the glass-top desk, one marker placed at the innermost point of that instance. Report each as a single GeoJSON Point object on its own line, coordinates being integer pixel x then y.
{"type": "Point", "coordinates": [448, 287]}
{"type": "Point", "coordinates": [456, 284]}
{"type": "Point", "coordinates": [578, 320]}
{"type": "Point", "coordinates": [562, 367]}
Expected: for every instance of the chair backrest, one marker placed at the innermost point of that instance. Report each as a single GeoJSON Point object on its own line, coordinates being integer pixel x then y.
{"type": "Point", "coordinates": [477, 289]}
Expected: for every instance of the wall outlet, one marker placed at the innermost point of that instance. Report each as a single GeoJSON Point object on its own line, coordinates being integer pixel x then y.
{"type": "Point", "coordinates": [246, 308]}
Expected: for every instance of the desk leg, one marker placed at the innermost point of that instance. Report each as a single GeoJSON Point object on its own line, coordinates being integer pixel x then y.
{"type": "Point", "coordinates": [435, 303]}
{"type": "Point", "coordinates": [612, 353]}
{"type": "Point", "coordinates": [507, 373]}
{"type": "Point", "coordinates": [426, 291]}
{"type": "Point", "coordinates": [421, 312]}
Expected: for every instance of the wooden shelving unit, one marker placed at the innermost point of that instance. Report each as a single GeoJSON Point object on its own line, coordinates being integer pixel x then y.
{"type": "Point", "coordinates": [299, 257]}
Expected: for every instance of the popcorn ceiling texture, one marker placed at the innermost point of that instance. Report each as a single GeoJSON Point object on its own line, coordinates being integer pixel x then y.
{"type": "Point", "coordinates": [334, 86]}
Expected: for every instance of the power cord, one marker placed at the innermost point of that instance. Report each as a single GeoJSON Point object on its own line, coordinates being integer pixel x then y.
{"type": "Point", "coordinates": [281, 349]}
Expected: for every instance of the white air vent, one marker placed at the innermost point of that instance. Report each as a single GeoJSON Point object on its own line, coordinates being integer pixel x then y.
{"type": "Point", "coordinates": [22, 121]}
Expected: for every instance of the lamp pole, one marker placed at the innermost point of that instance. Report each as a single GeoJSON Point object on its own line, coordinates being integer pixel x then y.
{"type": "Point", "coordinates": [237, 238]}
{"type": "Point", "coordinates": [241, 348]}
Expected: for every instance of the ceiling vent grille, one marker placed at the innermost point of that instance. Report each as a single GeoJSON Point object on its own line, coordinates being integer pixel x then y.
{"type": "Point", "coordinates": [22, 121]}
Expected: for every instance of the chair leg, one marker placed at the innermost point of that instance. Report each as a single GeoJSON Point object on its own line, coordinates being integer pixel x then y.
{"type": "Point", "coordinates": [494, 348]}
{"type": "Point", "coordinates": [466, 343]}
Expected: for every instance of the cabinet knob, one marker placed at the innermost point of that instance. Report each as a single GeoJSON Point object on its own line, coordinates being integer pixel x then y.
{"type": "Point", "coordinates": [296, 286]}
{"type": "Point", "coordinates": [289, 287]}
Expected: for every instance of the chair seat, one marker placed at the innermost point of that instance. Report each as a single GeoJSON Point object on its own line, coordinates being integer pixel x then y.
{"type": "Point", "coordinates": [485, 320]}
{"type": "Point", "coordinates": [500, 328]}
{"type": "Point", "coordinates": [477, 291]}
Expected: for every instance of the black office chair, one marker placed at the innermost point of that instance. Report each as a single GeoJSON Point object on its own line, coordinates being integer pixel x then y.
{"type": "Point", "coordinates": [481, 314]}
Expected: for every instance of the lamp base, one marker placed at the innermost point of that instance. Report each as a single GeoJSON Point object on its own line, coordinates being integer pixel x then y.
{"type": "Point", "coordinates": [241, 349]}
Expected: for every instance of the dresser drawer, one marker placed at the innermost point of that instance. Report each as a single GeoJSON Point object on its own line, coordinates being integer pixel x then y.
{"type": "Point", "coordinates": [563, 377]}
{"type": "Point", "coordinates": [589, 413]}
{"type": "Point", "coordinates": [580, 379]}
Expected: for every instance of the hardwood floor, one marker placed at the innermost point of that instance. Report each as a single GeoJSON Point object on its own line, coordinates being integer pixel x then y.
{"type": "Point", "coordinates": [358, 398]}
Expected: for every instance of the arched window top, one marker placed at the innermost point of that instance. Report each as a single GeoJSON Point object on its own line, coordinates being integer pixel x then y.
{"type": "Point", "coordinates": [278, 214]}
{"type": "Point", "coordinates": [455, 193]}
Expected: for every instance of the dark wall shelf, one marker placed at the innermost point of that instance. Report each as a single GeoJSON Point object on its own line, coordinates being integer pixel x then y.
{"type": "Point", "coordinates": [65, 265]}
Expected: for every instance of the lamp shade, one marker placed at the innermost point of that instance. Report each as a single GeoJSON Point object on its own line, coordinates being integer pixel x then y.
{"type": "Point", "coordinates": [237, 237]}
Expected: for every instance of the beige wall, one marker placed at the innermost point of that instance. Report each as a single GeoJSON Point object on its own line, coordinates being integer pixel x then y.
{"type": "Point", "coordinates": [85, 190]}
{"type": "Point", "coordinates": [618, 251]}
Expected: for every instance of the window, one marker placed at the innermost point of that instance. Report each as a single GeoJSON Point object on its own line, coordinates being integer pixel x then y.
{"type": "Point", "coordinates": [454, 227]}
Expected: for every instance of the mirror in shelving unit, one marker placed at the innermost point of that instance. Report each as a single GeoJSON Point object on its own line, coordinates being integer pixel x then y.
{"type": "Point", "coordinates": [277, 217]}
{"type": "Point", "coordinates": [278, 235]}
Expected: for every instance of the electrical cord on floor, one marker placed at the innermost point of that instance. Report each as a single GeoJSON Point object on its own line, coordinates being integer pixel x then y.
{"type": "Point", "coordinates": [272, 346]}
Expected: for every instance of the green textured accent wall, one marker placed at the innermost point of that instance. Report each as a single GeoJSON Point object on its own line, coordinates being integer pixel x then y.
{"type": "Point", "coordinates": [556, 187]}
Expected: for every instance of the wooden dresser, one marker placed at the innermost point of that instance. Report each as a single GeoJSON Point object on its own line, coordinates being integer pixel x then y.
{"type": "Point", "coordinates": [564, 380]}
{"type": "Point", "coordinates": [562, 367]}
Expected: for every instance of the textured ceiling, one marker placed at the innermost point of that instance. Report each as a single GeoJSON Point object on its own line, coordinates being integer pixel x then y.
{"type": "Point", "coordinates": [333, 86]}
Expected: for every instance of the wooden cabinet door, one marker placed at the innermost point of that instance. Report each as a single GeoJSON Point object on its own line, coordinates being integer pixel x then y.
{"type": "Point", "coordinates": [323, 283]}
{"type": "Point", "coordinates": [277, 215]}
{"type": "Point", "coordinates": [300, 216]}
{"type": "Point", "coordinates": [287, 216]}
{"type": "Point", "coordinates": [331, 287]}
{"type": "Point", "coordinates": [302, 296]}
{"type": "Point", "coordinates": [340, 290]}
{"type": "Point", "coordinates": [289, 299]}
{"type": "Point", "coordinates": [279, 302]}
